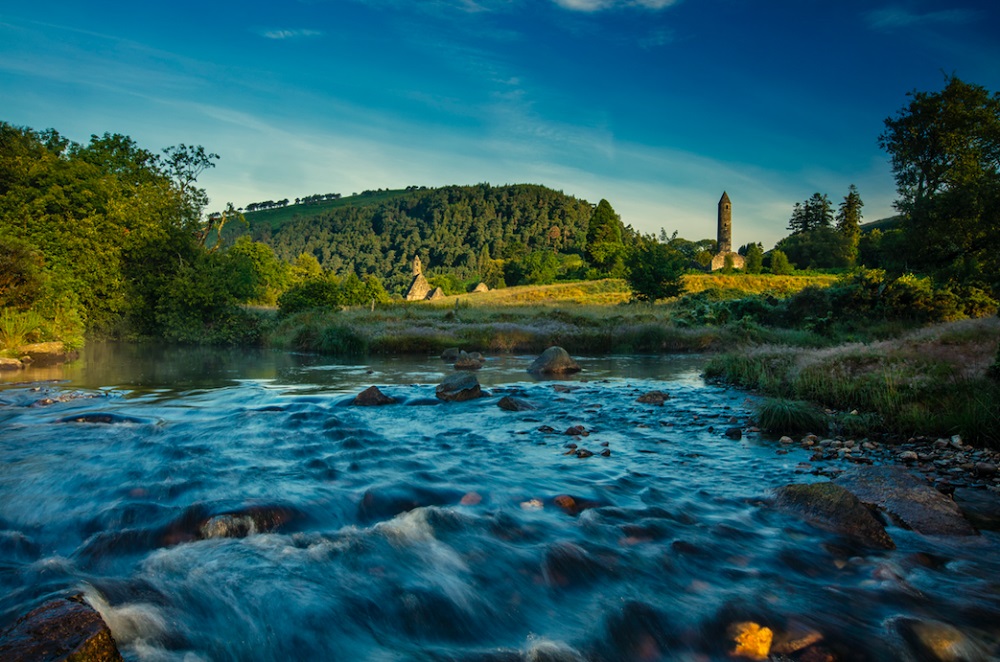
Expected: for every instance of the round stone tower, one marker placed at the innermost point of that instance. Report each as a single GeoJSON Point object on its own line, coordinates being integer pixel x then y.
{"type": "Point", "coordinates": [725, 224]}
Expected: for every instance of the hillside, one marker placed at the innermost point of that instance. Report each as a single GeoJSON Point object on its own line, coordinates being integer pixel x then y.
{"type": "Point", "coordinates": [454, 228]}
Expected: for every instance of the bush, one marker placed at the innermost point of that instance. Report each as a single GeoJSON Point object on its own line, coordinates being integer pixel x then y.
{"type": "Point", "coordinates": [782, 416]}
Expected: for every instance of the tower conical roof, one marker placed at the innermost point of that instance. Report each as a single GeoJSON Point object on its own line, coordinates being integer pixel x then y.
{"type": "Point", "coordinates": [724, 198]}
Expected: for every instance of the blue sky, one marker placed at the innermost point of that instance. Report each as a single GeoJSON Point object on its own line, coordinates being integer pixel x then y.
{"type": "Point", "coordinates": [656, 105]}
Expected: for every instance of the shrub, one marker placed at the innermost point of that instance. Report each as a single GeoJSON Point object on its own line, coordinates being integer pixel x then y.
{"type": "Point", "coordinates": [781, 416]}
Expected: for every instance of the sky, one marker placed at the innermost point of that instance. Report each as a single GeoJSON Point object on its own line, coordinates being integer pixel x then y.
{"type": "Point", "coordinates": [657, 106]}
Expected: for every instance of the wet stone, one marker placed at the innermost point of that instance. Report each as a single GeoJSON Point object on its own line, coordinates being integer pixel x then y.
{"type": "Point", "coordinates": [372, 397]}
{"type": "Point", "coordinates": [64, 629]}
{"type": "Point", "coordinates": [459, 387]}
{"type": "Point", "coordinates": [554, 361]}
{"type": "Point", "coordinates": [510, 403]}
{"type": "Point", "coordinates": [653, 398]}
{"type": "Point", "coordinates": [734, 433]}
{"type": "Point", "coordinates": [832, 507]}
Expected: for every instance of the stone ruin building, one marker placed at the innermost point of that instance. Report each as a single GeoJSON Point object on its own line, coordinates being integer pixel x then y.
{"type": "Point", "coordinates": [725, 238]}
{"type": "Point", "coordinates": [421, 290]}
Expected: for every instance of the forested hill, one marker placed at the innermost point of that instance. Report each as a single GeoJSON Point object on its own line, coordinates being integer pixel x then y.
{"type": "Point", "coordinates": [454, 228]}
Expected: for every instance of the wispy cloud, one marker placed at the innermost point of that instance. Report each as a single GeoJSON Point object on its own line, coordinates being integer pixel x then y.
{"type": "Point", "coordinates": [891, 18]}
{"type": "Point", "coordinates": [290, 34]}
{"type": "Point", "coordinates": [601, 5]}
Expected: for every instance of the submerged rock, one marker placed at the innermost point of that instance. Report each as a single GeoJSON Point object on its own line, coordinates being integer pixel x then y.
{"type": "Point", "coordinates": [469, 361]}
{"type": "Point", "coordinates": [101, 418]}
{"type": "Point", "coordinates": [653, 398]}
{"type": "Point", "coordinates": [832, 507]}
{"type": "Point", "coordinates": [509, 403]}
{"type": "Point", "coordinates": [459, 387]}
{"type": "Point", "coordinates": [907, 499]}
{"type": "Point", "coordinates": [934, 640]}
{"type": "Point", "coordinates": [554, 361]}
{"type": "Point", "coordinates": [980, 507]}
{"type": "Point", "coordinates": [64, 629]}
{"type": "Point", "coordinates": [372, 397]}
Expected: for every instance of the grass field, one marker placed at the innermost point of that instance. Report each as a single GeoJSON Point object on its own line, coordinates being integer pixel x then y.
{"type": "Point", "coordinates": [615, 291]}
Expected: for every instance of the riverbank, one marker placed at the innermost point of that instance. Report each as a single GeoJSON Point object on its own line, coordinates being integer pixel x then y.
{"type": "Point", "coordinates": [936, 381]}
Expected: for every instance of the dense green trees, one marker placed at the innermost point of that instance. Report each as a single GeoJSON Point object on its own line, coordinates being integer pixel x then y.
{"type": "Point", "coordinates": [655, 270]}
{"type": "Point", "coordinates": [814, 242]}
{"type": "Point", "coordinates": [945, 152]}
{"type": "Point", "coordinates": [103, 236]}
{"type": "Point", "coordinates": [605, 245]}
{"type": "Point", "coordinates": [466, 231]}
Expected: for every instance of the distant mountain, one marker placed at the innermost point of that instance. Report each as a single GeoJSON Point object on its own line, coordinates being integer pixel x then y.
{"type": "Point", "coordinates": [453, 228]}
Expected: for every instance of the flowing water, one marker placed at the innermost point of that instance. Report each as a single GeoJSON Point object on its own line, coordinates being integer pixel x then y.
{"type": "Point", "coordinates": [235, 506]}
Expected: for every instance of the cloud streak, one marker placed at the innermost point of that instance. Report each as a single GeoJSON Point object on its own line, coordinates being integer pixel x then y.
{"type": "Point", "coordinates": [591, 6]}
{"type": "Point", "coordinates": [290, 34]}
{"type": "Point", "coordinates": [891, 18]}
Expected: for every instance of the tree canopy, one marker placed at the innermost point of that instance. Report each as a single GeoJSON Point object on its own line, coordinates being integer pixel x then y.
{"type": "Point", "coordinates": [945, 152]}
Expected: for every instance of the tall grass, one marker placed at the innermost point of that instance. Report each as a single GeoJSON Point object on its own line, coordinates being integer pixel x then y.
{"type": "Point", "coordinates": [19, 327]}
{"type": "Point", "coordinates": [932, 381]}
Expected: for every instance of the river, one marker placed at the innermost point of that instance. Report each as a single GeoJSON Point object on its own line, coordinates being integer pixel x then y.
{"type": "Point", "coordinates": [233, 505]}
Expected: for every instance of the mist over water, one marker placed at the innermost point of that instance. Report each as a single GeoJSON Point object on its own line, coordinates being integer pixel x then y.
{"type": "Point", "coordinates": [222, 505]}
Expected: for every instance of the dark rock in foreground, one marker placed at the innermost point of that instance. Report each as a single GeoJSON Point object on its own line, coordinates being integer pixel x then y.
{"type": "Point", "coordinates": [66, 629]}
{"type": "Point", "coordinates": [459, 387]}
{"type": "Point", "coordinates": [372, 397]}
{"type": "Point", "coordinates": [908, 500]}
{"type": "Point", "coordinates": [509, 403]}
{"type": "Point", "coordinates": [554, 361]}
{"type": "Point", "coordinates": [980, 507]}
{"type": "Point", "coordinates": [935, 640]}
{"type": "Point", "coordinates": [832, 507]}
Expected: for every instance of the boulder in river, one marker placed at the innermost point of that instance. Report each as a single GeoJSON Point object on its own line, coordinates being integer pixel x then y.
{"type": "Point", "coordinates": [908, 499]}
{"type": "Point", "coordinates": [510, 403]}
{"type": "Point", "coordinates": [469, 361]}
{"type": "Point", "coordinates": [653, 398]}
{"type": "Point", "coordinates": [64, 629]}
{"type": "Point", "coordinates": [48, 353]}
{"type": "Point", "coordinates": [372, 397]}
{"type": "Point", "coordinates": [10, 364]}
{"type": "Point", "coordinates": [832, 507]}
{"type": "Point", "coordinates": [451, 354]}
{"type": "Point", "coordinates": [935, 640]}
{"type": "Point", "coordinates": [554, 361]}
{"type": "Point", "coordinates": [459, 387]}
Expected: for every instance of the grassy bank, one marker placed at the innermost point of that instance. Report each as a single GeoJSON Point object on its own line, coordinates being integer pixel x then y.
{"type": "Point", "coordinates": [928, 381]}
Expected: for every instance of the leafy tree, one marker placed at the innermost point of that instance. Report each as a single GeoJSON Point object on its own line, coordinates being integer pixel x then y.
{"type": "Point", "coordinates": [754, 262]}
{"type": "Point", "coordinates": [945, 152]}
{"type": "Point", "coordinates": [849, 223]}
{"type": "Point", "coordinates": [21, 275]}
{"type": "Point", "coordinates": [604, 240]}
{"type": "Point", "coordinates": [655, 270]}
{"type": "Point", "coordinates": [780, 265]}
{"type": "Point", "coordinates": [184, 164]}
{"type": "Point", "coordinates": [816, 212]}
{"type": "Point", "coordinates": [819, 248]}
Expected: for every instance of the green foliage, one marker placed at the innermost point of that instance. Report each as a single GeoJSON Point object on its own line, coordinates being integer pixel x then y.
{"type": "Point", "coordinates": [754, 259]}
{"type": "Point", "coordinates": [463, 230]}
{"type": "Point", "coordinates": [21, 275]}
{"type": "Point", "coordinates": [782, 416]}
{"type": "Point", "coordinates": [819, 248]}
{"type": "Point", "coordinates": [945, 152]}
{"type": "Point", "coordinates": [269, 276]}
{"type": "Point", "coordinates": [332, 293]}
{"type": "Point", "coordinates": [535, 268]}
{"type": "Point", "coordinates": [605, 247]}
{"type": "Point", "coordinates": [654, 270]}
{"type": "Point", "coordinates": [18, 327]}
{"type": "Point", "coordinates": [849, 225]}
{"type": "Point", "coordinates": [814, 213]}
{"type": "Point", "coordinates": [780, 266]}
